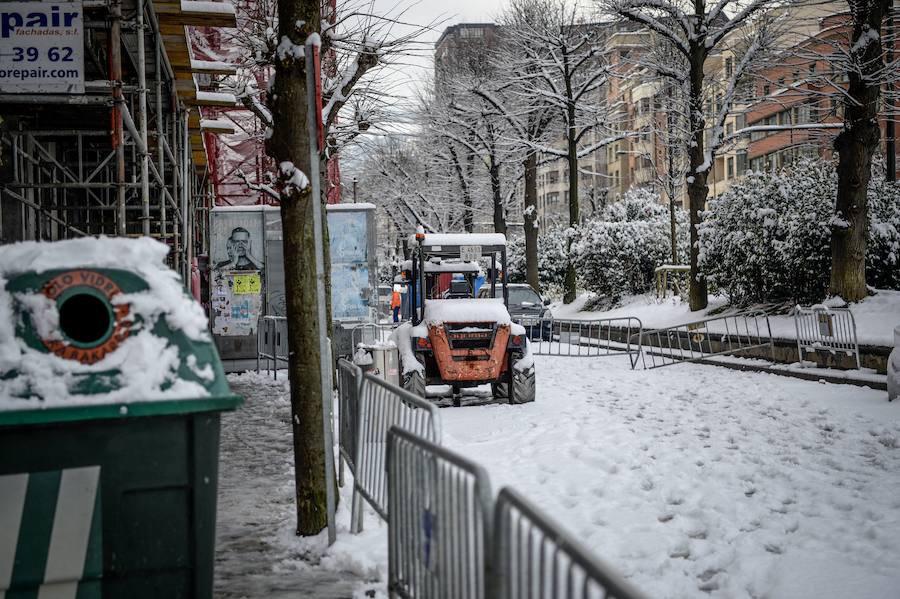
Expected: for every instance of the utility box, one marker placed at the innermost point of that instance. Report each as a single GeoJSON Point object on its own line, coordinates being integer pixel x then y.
{"type": "Point", "coordinates": [246, 279]}
{"type": "Point", "coordinates": [110, 395]}
{"type": "Point", "coordinates": [354, 271]}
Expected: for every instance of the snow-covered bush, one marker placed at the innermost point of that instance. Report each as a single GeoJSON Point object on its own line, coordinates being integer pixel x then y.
{"type": "Point", "coordinates": [616, 253]}
{"type": "Point", "coordinates": [883, 244]}
{"type": "Point", "coordinates": [551, 260]}
{"type": "Point", "coordinates": [768, 237]}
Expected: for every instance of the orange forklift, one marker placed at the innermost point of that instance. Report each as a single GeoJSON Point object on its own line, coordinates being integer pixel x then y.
{"type": "Point", "coordinates": [456, 338]}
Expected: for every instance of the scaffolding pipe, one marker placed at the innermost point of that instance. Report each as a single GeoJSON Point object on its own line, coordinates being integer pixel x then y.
{"type": "Point", "coordinates": [115, 74]}
{"type": "Point", "coordinates": [142, 107]}
{"type": "Point", "coordinates": [160, 133]}
{"type": "Point", "coordinates": [176, 166]}
{"type": "Point", "coordinates": [186, 201]}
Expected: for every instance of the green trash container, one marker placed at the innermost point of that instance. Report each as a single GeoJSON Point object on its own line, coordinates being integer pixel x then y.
{"type": "Point", "coordinates": [108, 487]}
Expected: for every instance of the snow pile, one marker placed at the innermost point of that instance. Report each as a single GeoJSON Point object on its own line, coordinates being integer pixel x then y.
{"type": "Point", "coordinates": [143, 367]}
{"type": "Point", "coordinates": [293, 177]}
{"type": "Point", "coordinates": [466, 310]}
{"type": "Point", "coordinates": [402, 338]}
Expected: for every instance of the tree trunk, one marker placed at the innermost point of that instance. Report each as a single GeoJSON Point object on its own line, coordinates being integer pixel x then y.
{"type": "Point", "coordinates": [499, 216]}
{"type": "Point", "coordinates": [289, 142]}
{"type": "Point", "coordinates": [574, 216]}
{"type": "Point", "coordinates": [469, 216]}
{"type": "Point", "coordinates": [697, 188]}
{"type": "Point", "coordinates": [855, 146]}
{"type": "Point", "coordinates": [531, 222]}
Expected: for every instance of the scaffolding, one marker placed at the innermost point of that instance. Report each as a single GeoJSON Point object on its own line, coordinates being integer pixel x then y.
{"type": "Point", "coordinates": [127, 156]}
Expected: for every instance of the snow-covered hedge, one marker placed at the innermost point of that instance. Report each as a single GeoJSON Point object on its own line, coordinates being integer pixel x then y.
{"type": "Point", "coordinates": [551, 260]}
{"type": "Point", "coordinates": [616, 253]}
{"type": "Point", "coordinates": [768, 237]}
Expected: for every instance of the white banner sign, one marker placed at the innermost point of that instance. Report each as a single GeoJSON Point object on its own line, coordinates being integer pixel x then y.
{"type": "Point", "coordinates": [41, 47]}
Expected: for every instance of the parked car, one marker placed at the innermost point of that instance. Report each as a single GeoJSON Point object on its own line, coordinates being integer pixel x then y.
{"type": "Point", "coordinates": [527, 308]}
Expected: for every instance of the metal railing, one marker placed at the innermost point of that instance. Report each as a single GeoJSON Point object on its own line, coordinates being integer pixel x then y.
{"type": "Point", "coordinates": [822, 328]}
{"type": "Point", "coordinates": [371, 333]}
{"type": "Point", "coordinates": [702, 339]}
{"type": "Point", "coordinates": [440, 521]}
{"type": "Point", "coordinates": [381, 406]}
{"type": "Point", "coordinates": [586, 338]}
{"type": "Point", "coordinates": [271, 342]}
{"type": "Point", "coordinates": [349, 384]}
{"type": "Point", "coordinates": [536, 558]}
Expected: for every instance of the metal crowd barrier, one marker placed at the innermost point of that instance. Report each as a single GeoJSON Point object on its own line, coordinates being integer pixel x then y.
{"type": "Point", "coordinates": [381, 406]}
{"type": "Point", "coordinates": [440, 521]}
{"type": "Point", "coordinates": [446, 538]}
{"type": "Point", "coordinates": [702, 339]}
{"type": "Point", "coordinates": [586, 338]}
{"type": "Point", "coordinates": [271, 342]}
{"type": "Point", "coordinates": [349, 384]}
{"type": "Point", "coordinates": [822, 328]}
{"type": "Point", "coordinates": [535, 557]}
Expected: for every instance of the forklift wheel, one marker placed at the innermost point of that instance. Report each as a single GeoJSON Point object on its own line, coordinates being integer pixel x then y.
{"type": "Point", "coordinates": [523, 388]}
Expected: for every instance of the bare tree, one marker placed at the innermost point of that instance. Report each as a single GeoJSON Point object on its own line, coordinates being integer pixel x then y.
{"type": "Point", "coordinates": [696, 31]}
{"type": "Point", "coordinates": [863, 60]}
{"type": "Point", "coordinates": [562, 66]}
{"type": "Point", "coordinates": [288, 145]}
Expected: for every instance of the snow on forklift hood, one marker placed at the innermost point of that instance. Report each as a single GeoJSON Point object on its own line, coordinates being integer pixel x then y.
{"type": "Point", "coordinates": [438, 312]}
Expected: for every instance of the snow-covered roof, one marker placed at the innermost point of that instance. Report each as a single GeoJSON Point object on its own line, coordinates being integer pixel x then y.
{"type": "Point", "coordinates": [205, 6]}
{"type": "Point", "coordinates": [142, 367]}
{"type": "Point", "coordinates": [466, 310]}
{"type": "Point", "coordinates": [247, 208]}
{"type": "Point", "coordinates": [453, 239]}
{"type": "Point", "coordinates": [451, 266]}
{"type": "Point", "coordinates": [349, 206]}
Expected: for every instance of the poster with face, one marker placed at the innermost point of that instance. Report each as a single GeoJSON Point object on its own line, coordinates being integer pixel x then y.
{"type": "Point", "coordinates": [237, 265]}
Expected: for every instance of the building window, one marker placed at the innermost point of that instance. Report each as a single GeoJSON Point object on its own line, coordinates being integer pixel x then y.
{"type": "Point", "coordinates": [472, 32]}
{"type": "Point", "coordinates": [729, 129]}
{"type": "Point", "coordinates": [730, 167]}
{"type": "Point", "coordinates": [767, 89]}
{"type": "Point", "coordinates": [729, 66]}
{"type": "Point", "coordinates": [645, 105]}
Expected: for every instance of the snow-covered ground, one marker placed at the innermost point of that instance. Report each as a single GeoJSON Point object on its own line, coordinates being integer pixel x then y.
{"type": "Point", "coordinates": [876, 316]}
{"type": "Point", "coordinates": [691, 480]}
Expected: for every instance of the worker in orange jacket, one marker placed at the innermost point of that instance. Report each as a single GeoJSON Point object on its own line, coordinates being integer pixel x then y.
{"type": "Point", "coordinates": [395, 304]}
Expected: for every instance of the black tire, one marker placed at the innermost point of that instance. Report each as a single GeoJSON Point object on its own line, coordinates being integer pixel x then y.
{"type": "Point", "coordinates": [414, 382]}
{"type": "Point", "coordinates": [523, 386]}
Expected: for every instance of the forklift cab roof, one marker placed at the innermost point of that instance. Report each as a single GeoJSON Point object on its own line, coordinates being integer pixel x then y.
{"type": "Point", "coordinates": [448, 244]}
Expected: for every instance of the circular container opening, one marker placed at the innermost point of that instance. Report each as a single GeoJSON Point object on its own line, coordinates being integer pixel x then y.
{"type": "Point", "coordinates": [85, 319]}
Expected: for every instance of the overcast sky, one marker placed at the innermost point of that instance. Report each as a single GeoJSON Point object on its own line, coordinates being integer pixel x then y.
{"type": "Point", "coordinates": [416, 71]}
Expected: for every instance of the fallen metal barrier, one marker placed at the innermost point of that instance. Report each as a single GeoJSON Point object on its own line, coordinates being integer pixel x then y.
{"type": "Point", "coordinates": [440, 521]}
{"type": "Point", "coordinates": [381, 406]}
{"type": "Point", "coordinates": [535, 557]}
{"type": "Point", "coordinates": [271, 342]}
{"type": "Point", "coordinates": [586, 338]}
{"type": "Point", "coordinates": [702, 339]}
{"type": "Point", "coordinates": [349, 384]}
{"type": "Point", "coordinates": [822, 328]}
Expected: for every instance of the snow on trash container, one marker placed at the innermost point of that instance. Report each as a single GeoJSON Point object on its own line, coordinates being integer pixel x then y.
{"type": "Point", "coordinates": [110, 396]}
